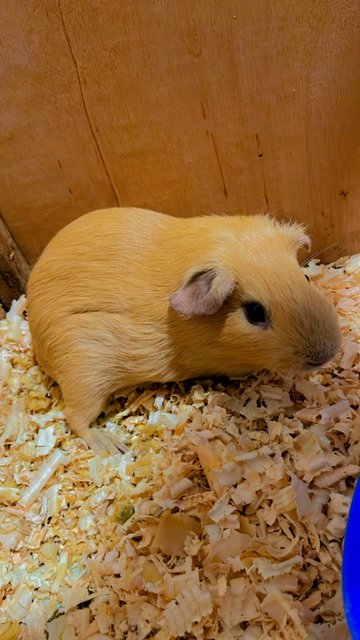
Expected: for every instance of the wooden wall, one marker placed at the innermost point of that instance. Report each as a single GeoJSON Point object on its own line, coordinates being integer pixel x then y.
{"type": "Point", "coordinates": [185, 106]}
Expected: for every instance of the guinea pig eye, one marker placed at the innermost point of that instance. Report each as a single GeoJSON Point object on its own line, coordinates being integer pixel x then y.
{"type": "Point", "coordinates": [307, 278]}
{"type": "Point", "coordinates": [255, 313]}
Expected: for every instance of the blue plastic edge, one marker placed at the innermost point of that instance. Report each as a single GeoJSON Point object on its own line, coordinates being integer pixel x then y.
{"type": "Point", "coordinates": [351, 566]}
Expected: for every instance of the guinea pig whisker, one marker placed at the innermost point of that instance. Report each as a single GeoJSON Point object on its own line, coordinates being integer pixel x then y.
{"type": "Point", "coordinates": [317, 254]}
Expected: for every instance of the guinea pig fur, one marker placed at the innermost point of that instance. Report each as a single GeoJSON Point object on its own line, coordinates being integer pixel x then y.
{"type": "Point", "coordinates": [125, 296]}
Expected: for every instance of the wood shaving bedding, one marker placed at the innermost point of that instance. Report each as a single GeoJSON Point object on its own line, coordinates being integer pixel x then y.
{"type": "Point", "coordinates": [224, 520]}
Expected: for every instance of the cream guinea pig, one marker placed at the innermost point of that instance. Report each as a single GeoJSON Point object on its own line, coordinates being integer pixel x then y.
{"type": "Point", "coordinates": [126, 296]}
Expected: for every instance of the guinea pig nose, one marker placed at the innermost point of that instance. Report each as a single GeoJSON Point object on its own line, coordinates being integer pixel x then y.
{"type": "Point", "coordinates": [319, 359]}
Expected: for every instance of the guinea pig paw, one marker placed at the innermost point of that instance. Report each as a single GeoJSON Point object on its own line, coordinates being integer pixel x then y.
{"type": "Point", "coordinates": [115, 440]}
{"type": "Point", "coordinates": [101, 441]}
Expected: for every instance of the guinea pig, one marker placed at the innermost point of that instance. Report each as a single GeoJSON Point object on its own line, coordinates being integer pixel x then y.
{"type": "Point", "coordinates": [126, 296]}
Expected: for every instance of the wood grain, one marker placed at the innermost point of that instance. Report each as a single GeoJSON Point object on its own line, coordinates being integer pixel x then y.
{"type": "Point", "coordinates": [181, 106]}
{"type": "Point", "coordinates": [14, 269]}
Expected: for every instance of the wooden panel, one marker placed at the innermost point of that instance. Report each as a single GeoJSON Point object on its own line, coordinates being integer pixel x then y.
{"type": "Point", "coordinates": [181, 106]}
{"type": "Point", "coordinates": [51, 166]}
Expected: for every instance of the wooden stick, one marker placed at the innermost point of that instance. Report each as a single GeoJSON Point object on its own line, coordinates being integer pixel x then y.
{"type": "Point", "coordinates": [14, 269]}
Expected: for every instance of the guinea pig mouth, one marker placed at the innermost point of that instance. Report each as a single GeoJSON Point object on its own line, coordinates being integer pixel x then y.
{"type": "Point", "coordinates": [311, 366]}
{"type": "Point", "coordinates": [316, 363]}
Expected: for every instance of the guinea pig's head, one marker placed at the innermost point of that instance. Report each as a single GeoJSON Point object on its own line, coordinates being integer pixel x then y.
{"type": "Point", "coordinates": [252, 296]}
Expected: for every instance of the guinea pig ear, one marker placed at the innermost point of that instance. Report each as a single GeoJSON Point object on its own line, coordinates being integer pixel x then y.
{"type": "Point", "coordinates": [203, 293]}
{"type": "Point", "coordinates": [297, 235]}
